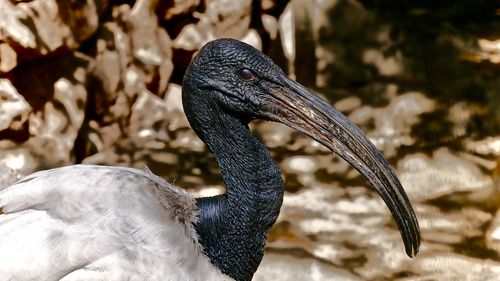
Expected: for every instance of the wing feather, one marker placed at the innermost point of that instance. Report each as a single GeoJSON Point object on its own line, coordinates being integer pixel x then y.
{"type": "Point", "coordinates": [88, 222]}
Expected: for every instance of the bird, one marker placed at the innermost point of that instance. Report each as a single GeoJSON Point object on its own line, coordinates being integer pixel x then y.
{"type": "Point", "coordinates": [91, 222]}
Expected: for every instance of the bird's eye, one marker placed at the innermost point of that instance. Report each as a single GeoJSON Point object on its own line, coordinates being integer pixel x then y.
{"type": "Point", "coordinates": [246, 74]}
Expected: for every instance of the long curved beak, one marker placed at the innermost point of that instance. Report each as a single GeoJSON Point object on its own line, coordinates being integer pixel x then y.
{"type": "Point", "coordinates": [294, 105]}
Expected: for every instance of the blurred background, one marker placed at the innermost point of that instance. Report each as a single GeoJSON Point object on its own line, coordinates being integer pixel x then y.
{"type": "Point", "coordinates": [98, 81]}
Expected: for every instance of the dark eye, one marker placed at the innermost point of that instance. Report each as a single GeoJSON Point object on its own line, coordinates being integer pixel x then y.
{"type": "Point", "coordinates": [246, 74]}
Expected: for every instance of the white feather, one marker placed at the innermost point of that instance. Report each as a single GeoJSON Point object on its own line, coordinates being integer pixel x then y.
{"type": "Point", "coordinates": [89, 222]}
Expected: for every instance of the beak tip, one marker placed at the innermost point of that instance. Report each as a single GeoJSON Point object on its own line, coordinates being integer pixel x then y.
{"type": "Point", "coordinates": [412, 251]}
{"type": "Point", "coordinates": [412, 248]}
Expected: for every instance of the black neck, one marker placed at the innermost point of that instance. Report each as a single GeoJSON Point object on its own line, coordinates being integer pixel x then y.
{"type": "Point", "coordinates": [233, 227]}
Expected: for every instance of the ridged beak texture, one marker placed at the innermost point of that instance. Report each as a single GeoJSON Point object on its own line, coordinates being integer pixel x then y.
{"type": "Point", "coordinates": [292, 104]}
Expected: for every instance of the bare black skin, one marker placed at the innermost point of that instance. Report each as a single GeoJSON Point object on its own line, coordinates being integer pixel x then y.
{"type": "Point", "coordinates": [228, 84]}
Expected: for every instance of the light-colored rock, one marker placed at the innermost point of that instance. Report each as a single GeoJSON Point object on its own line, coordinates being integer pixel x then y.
{"type": "Point", "coordinates": [230, 19]}
{"type": "Point", "coordinates": [493, 234]}
{"type": "Point", "coordinates": [273, 134]}
{"type": "Point", "coordinates": [281, 267]}
{"type": "Point", "coordinates": [18, 161]}
{"type": "Point", "coordinates": [55, 128]}
{"type": "Point", "coordinates": [489, 145]}
{"type": "Point", "coordinates": [178, 7]}
{"type": "Point", "coordinates": [252, 38]}
{"type": "Point", "coordinates": [41, 27]}
{"type": "Point", "coordinates": [324, 212]}
{"type": "Point", "coordinates": [450, 267]}
{"type": "Point", "coordinates": [135, 57]}
{"type": "Point", "coordinates": [7, 176]}
{"type": "Point", "coordinates": [53, 118]}
{"type": "Point", "coordinates": [287, 31]}
{"type": "Point", "coordinates": [131, 70]}
{"type": "Point", "coordinates": [187, 140]}
{"type": "Point", "coordinates": [393, 123]}
{"type": "Point", "coordinates": [227, 17]}
{"type": "Point", "coordinates": [384, 253]}
{"type": "Point", "coordinates": [450, 227]}
{"type": "Point", "coordinates": [8, 58]}
{"type": "Point", "coordinates": [442, 174]}
{"type": "Point", "coordinates": [14, 109]}
{"type": "Point", "coordinates": [149, 118]}
{"type": "Point", "coordinates": [207, 191]}
{"type": "Point", "coordinates": [270, 23]}
{"type": "Point", "coordinates": [300, 164]}
{"type": "Point", "coordinates": [389, 66]}
{"type": "Point", "coordinates": [489, 50]}
{"type": "Point", "coordinates": [303, 166]}
{"type": "Point", "coordinates": [348, 104]}
{"type": "Point", "coordinates": [175, 110]}
{"type": "Point", "coordinates": [190, 38]}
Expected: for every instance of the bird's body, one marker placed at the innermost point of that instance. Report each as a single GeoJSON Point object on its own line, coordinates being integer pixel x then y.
{"type": "Point", "coordinates": [107, 223]}
{"type": "Point", "coordinates": [87, 222]}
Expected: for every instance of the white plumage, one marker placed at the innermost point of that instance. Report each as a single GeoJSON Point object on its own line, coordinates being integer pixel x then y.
{"type": "Point", "coordinates": [89, 222]}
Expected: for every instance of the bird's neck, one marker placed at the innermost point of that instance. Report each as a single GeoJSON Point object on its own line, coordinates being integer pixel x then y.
{"type": "Point", "coordinates": [233, 227]}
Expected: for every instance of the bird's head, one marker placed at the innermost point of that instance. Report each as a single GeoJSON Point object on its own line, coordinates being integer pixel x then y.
{"type": "Point", "coordinates": [239, 75]}
{"type": "Point", "coordinates": [246, 84]}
